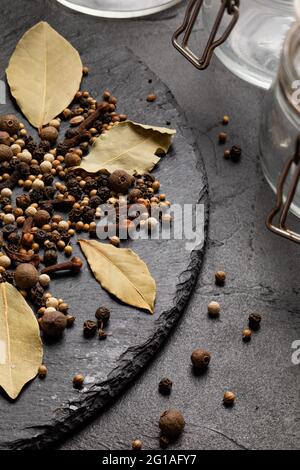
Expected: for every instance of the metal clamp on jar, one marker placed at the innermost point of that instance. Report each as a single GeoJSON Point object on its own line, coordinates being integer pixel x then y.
{"type": "Point", "coordinates": [246, 35]}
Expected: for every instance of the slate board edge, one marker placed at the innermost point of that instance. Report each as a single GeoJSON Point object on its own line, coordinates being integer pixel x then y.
{"type": "Point", "coordinates": [136, 358]}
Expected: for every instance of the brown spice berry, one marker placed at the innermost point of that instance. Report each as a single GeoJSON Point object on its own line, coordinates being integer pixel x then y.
{"type": "Point", "coordinates": [220, 277]}
{"type": "Point", "coordinates": [26, 276]}
{"type": "Point", "coordinates": [200, 359]}
{"type": "Point", "coordinates": [42, 372]}
{"type": "Point", "coordinates": [225, 120]}
{"type": "Point", "coordinates": [134, 195]}
{"type": "Point", "coordinates": [222, 137]}
{"type": "Point", "coordinates": [164, 441]}
{"type": "Point", "coordinates": [102, 334]}
{"type": "Point", "coordinates": [171, 423]}
{"type": "Point", "coordinates": [49, 133]}
{"type": "Point", "coordinates": [229, 398]}
{"type": "Point", "coordinates": [247, 334]}
{"type": "Point", "coordinates": [4, 138]}
{"type": "Point", "coordinates": [214, 309]}
{"type": "Point", "coordinates": [103, 315]}
{"type": "Point", "coordinates": [254, 321]}
{"type": "Point", "coordinates": [235, 153]}
{"type": "Point", "coordinates": [53, 324]}
{"type": "Point", "coordinates": [120, 181]}
{"type": "Point", "coordinates": [6, 153]}
{"type": "Point", "coordinates": [227, 154]}
{"type": "Point", "coordinates": [89, 328]}
{"type": "Point", "coordinates": [165, 386]}
{"type": "Point", "coordinates": [9, 123]}
{"type": "Point", "coordinates": [78, 380]}
{"type": "Point", "coordinates": [41, 217]}
{"type": "Point", "coordinates": [151, 97]}
{"type": "Point", "coordinates": [136, 444]}
{"type": "Point", "coordinates": [70, 320]}
{"type": "Point", "coordinates": [72, 159]}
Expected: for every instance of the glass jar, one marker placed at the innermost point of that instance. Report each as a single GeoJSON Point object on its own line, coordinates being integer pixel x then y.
{"type": "Point", "coordinates": [253, 48]}
{"type": "Point", "coordinates": [119, 8]}
{"type": "Point", "coordinates": [280, 125]}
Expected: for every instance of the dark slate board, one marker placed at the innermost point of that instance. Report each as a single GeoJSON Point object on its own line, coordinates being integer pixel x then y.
{"type": "Point", "coordinates": [48, 410]}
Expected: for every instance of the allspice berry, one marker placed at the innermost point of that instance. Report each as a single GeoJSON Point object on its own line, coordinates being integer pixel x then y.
{"type": "Point", "coordinates": [120, 181]}
{"type": "Point", "coordinates": [89, 328]}
{"type": "Point", "coordinates": [213, 309]}
{"type": "Point", "coordinates": [42, 372]}
{"type": "Point", "coordinates": [134, 195]}
{"type": "Point", "coordinates": [165, 386]}
{"type": "Point", "coordinates": [171, 423]}
{"type": "Point", "coordinates": [4, 138]}
{"type": "Point", "coordinates": [49, 133]}
{"type": "Point", "coordinates": [9, 123]}
{"type": "Point", "coordinates": [6, 153]}
{"type": "Point", "coordinates": [26, 276]}
{"type": "Point", "coordinates": [53, 323]}
{"type": "Point", "coordinates": [200, 359]}
{"type": "Point", "coordinates": [103, 315]}
{"type": "Point", "coordinates": [72, 159]}
{"type": "Point", "coordinates": [220, 278]}
{"type": "Point", "coordinates": [78, 380]}
{"type": "Point", "coordinates": [136, 444]}
{"type": "Point", "coordinates": [41, 217]}
{"type": "Point", "coordinates": [229, 398]}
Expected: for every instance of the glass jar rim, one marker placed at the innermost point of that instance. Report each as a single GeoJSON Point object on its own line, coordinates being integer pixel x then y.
{"type": "Point", "coordinates": [289, 73]}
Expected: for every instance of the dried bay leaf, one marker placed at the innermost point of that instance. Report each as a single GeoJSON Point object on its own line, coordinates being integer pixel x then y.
{"type": "Point", "coordinates": [122, 273]}
{"type": "Point", "coordinates": [21, 349]}
{"type": "Point", "coordinates": [133, 147]}
{"type": "Point", "coordinates": [44, 74]}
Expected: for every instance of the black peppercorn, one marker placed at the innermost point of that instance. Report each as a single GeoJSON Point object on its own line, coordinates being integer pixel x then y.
{"type": "Point", "coordinates": [254, 321]}
{"type": "Point", "coordinates": [165, 386]}
{"type": "Point", "coordinates": [103, 315]}
{"type": "Point", "coordinates": [23, 201]}
{"type": "Point", "coordinates": [120, 181]}
{"type": "Point", "coordinates": [40, 237]}
{"type": "Point", "coordinates": [104, 194]}
{"type": "Point", "coordinates": [8, 230]}
{"type": "Point", "coordinates": [89, 328]}
{"type": "Point", "coordinates": [95, 201]}
{"type": "Point", "coordinates": [235, 153]}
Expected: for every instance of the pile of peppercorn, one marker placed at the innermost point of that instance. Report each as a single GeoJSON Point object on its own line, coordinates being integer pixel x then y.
{"type": "Point", "coordinates": [33, 231]}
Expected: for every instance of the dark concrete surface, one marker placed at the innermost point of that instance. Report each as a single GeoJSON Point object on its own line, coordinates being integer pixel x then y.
{"type": "Point", "coordinates": [263, 275]}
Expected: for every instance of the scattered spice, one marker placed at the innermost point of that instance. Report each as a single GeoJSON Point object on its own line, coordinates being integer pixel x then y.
{"type": "Point", "coordinates": [165, 386]}
{"type": "Point", "coordinates": [53, 323]}
{"type": "Point", "coordinates": [78, 381]}
{"type": "Point", "coordinates": [26, 276]}
{"type": "Point", "coordinates": [200, 359]}
{"type": "Point", "coordinates": [247, 334]}
{"type": "Point", "coordinates": [136, 444]}
{"type": "Point", "coordinates": [102, 335]}
{"type": "Point", "coordinates": [235, 153]}
{"type": "Point", "coordinates": [220, 278]}
{"type": "Point", "coordinates": [70, 320]}
{"type": "Point", "coordinates": [42, 372]}
{"type": "Point", "coordinates": [151, 97]}
{"type": "Point", "coordinates": [171, 423]}
{"type": "Point", "coordinates": [254, 320]}
{"type": "Point", "coordinates": [89, 328]}
{"type": "Point", "coordinates": [223, 137]}
{"type": "Point", "coordinates": [214, 309]}
{"type": "Point", "coordinates": [225, 120]}
{"type": "Point", "coordinates": [103, 315]}
{"type": "Point", "coordinates": [229, 398]}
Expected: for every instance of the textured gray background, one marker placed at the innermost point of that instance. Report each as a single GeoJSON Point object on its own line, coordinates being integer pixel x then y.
{"type": "Point", "coordinates": [263, 275]}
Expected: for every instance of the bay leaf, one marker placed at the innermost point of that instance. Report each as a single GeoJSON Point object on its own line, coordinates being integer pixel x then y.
{"type": "Point", "coordinates": [44, 74]}
{"type": "Point", "coordinates": [122, 273]}
{"type": "Point", "coordinates": [21, 349]}
{"type": "Point", "coordinates": [133, 147]}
